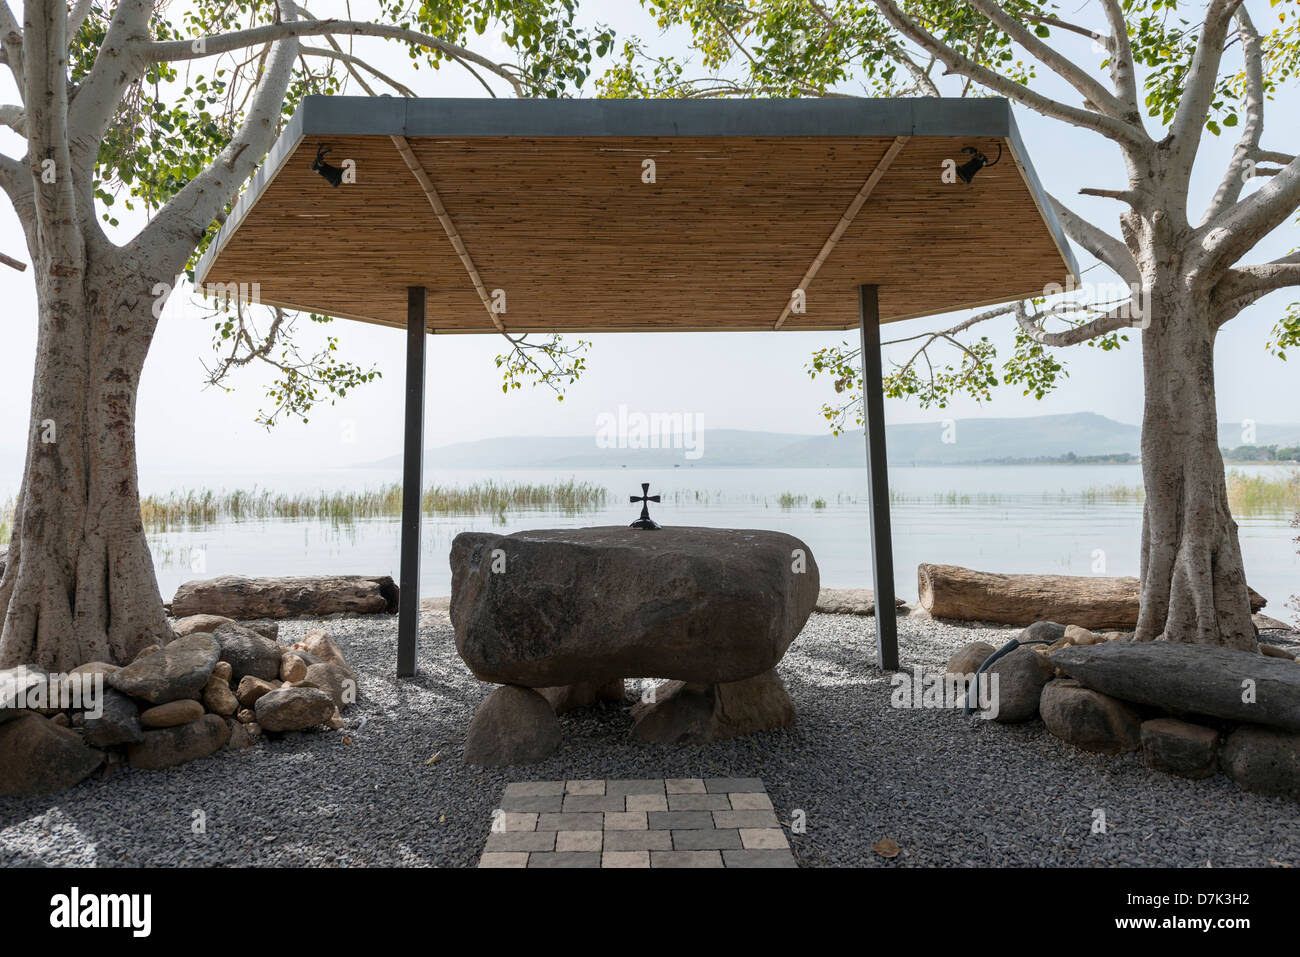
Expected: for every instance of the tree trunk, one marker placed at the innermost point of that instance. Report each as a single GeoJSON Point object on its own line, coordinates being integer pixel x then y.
{"type": "Point", "coordinates": [79, 584]}
{"type": "Point", "coordinates": [1099, 604]}
{"type": "Point", "coordinates": [1193, 580]}
{"type": "Point", "coordinates": [234, 596]}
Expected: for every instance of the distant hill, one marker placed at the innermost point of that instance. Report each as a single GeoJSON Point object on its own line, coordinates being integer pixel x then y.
{"type": "Point", "coordinates": [970, 441]}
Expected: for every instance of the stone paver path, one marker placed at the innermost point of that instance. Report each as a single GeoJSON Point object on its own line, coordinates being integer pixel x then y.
{"type": "Point", "coordinates": [677, 822]}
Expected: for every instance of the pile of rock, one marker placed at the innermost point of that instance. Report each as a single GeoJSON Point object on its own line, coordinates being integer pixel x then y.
{"type": "Point", "coordinates": [1192, 710]}
{"type": "Point", "coordinates": [218, 684]}
{"type": "Point", "coordinates": [561, 617]}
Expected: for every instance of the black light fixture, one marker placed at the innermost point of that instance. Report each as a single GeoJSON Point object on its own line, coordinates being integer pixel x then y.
{"type": "Point", "coordinates": [967, 170]}
{"type": "Point", "coordinates": [333, 175]}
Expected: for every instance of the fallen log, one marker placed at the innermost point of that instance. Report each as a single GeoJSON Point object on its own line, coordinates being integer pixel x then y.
{"type": "Point", "coordinates": [235, 596]}
{"type": "Point", "coordinates": [1099, 604]}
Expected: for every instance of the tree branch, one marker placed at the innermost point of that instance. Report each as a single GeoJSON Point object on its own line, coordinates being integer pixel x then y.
{"type": "Point", "coordinates": [1232, 234]}
{"type": "Point", "coordinates": [117, 66]}
{"type": "Point", "coordinates": [176, 50]}
{"type": "Point", "coordinates": [1091, 90]}
{"type": "Point", "coordinates": [1185, 132]}
{"type": "Point", "coordinates": [181, 223]}
{"type": "Point", "coordinates": [1111, 251]}
{"type": "Point", "coordinates": [11, 43]}
{"type": "Point", "coordinates": [1234, 177]}
{"type": "Point", "coordinates": [46, 124]}
{"type": "Point", "coordinates": [355, 61]}
{"type": "Point", "coordinates": [1123, 71]}
{"type": "Point", "coordinates": [1120, 131]}
{"type": "Point", "coordinates": [14, 117]}
{"type": "Point", "coordinates": [1242, 285]}
{"type": "Point", "coordinates": [1119, 318]}
{"type": "Point", "coordinates": [77, 16]}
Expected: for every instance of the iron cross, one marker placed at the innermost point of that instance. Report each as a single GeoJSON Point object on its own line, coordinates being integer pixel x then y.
{"type": "Point", "coordinates": [645, 498]}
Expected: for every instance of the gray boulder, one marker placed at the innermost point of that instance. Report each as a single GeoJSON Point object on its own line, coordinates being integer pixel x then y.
{"type": "Point", "coordinates": [179, 670]}
{"type": "Point", "coordinates": [1263, 759]}
{"type": "Point", "coordinates": [119, 722]}
{"type": "Point", "coordinates": [248, 652]}
{"type": "Point", "coordinates": [513, 725]}
{"type": "Point", "coordinates": [1193, 679]}
{"type": "Point", "coordinates": [293, 709]}
{"type": "Point", "coordinates": [1178, 747]}
{"type": "Point", "coordinates": [967, 659]}
{"type": "Point", "coordinates": [1021, 675]}
{"type": "Point", "coordinates": [335, 680]}
{"type": "Point", "coordinates": [168, 747]}
{"type": "Point", "coordinates": [1042, 632]}
{"type": "Point", "coordinates": [39, 757]}
{"type": "Point", "coordinates": [1088, 719]}
{"type": "Point", "coordinates": [564, 606]}
{"type": "Point", "coordinates": [14, 685]}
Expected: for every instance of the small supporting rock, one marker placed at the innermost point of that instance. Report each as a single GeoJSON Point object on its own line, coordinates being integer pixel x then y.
{"type": "Point", "coordinates": [1089, 719]}
{"type": "Point", "coordinates": [1179, 747]}
{"type": "Point", "coordinates": [564, 698]}
{"type": "Point", "coordinates": [168, 747]}
{"type": "Point", "coordinates": [683, 713]}
{"type": "Point", "coordinates": [1021, 675]}
{"type": "Point", "coordinates": [967, 659]}
{"type": "Point", "coordinates": [513, 725]}
{"type": "Point", "coordinates": [1265, 760]}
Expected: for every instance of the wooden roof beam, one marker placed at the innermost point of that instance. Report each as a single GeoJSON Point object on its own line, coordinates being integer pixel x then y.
{"type": "Point", "coordinates": [846, 220]}
{"type": "Point", "coordinates": [439, 210]}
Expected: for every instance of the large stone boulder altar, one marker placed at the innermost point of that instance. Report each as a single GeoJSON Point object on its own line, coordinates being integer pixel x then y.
{"type": "Point", "coordinates": [571, 613]}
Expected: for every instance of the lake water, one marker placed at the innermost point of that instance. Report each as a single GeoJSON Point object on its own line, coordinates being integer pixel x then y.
{"type": "Point", "coordinates": [994, 518]}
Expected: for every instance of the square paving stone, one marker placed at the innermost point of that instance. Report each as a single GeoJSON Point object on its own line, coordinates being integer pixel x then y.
{"type": "Point", "coordinates": [515, 821]}
{"type": "Point", "coordinates": [706, 839]}
{"type": "Point", "coordinates": [682, 819]}
{"type": "Point", "coordinates": [637, 823]}
{"type": "Point", "coordinates": [593, 802]}
{"type": "Point", "coordinates": [638, 841]}
{"type": "Point", "coordinates": [625, 859]}
{"type": "Point", "coordinates": [578, 841]}
{"type": "Point", "coordinates": [698, 802]}
{"type": "Point", "coordinates": [689, 858]}
{"type": "Point", "coordinates": [584, 821]}
{"type": "Point", "coordinates": [566, 859]}
{"type": "Point", "coordinates": [520, 841]}
{"type": "Point", "coordinates": [534, 788]}
{"type": "Point", "coordinates": [763, 838]}
{"type": "Point", "coordinates": [533, 803]}
{"type": "Point", "coordinates": [745, 819]}
{"type": "Point", "coordinates": [757, 859]}
{"type": "Point", "coordinates": [626, 821]}
{"type": "Point", "coordinates": [638, 786]}
{"type": "Point", "coordinates": [647, 802]}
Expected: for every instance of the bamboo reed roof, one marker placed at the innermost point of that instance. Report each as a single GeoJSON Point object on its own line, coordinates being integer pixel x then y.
{"type": "Point", "coordinates": [545, 201]}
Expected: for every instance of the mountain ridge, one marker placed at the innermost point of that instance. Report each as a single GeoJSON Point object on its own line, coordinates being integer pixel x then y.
{"type": "Point", "coordinates": [948, 442]}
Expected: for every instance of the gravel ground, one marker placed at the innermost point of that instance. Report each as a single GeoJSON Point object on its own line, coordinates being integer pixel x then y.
{"type": "Point", "coordinates": [949, 791]}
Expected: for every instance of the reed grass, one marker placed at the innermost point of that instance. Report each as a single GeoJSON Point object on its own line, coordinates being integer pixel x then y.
{"type": "Point", "coordinates": [190, 508]}
{"type": "Point", "coordinates": [1263, 495]}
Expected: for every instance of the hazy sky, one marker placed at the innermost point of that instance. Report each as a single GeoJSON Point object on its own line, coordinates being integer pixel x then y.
{"type": "Point", "coordinates": [733, 380]}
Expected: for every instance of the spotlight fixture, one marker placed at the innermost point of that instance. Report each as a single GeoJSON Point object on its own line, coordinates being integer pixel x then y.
{"type": "Point", "coordinates": [967, 170]}
{"type": "Point", "coordinates": [333, 175]}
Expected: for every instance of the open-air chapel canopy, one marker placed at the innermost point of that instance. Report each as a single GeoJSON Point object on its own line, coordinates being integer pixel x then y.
{"type": "Point", "coordinates": [493, 215]}
{"type": "Point", "coordinates": [547, 199]}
